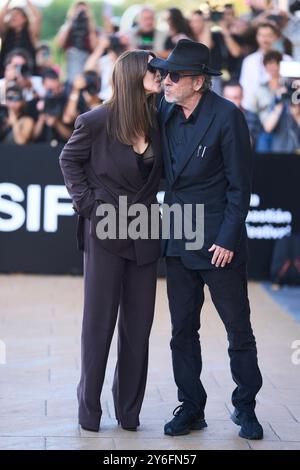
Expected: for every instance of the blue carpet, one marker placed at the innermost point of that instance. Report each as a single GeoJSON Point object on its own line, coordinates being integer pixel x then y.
{"type": "Point", "coordinates": [287, 297]}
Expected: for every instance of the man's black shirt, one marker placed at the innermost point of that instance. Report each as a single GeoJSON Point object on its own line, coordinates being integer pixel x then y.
{"type": "Point", "coordinates": [179, 131]}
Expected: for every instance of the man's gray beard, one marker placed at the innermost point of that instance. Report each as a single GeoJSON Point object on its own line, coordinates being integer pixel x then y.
{"type": "Point", "coordinates": [170, 100]}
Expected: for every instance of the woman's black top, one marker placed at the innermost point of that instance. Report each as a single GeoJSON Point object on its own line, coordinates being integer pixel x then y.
{"type": "Point", "coordinates": [145, 161]}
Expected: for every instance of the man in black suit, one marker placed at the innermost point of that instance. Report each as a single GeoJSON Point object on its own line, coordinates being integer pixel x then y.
{"type": "Point", "coordinates": [207, 158]}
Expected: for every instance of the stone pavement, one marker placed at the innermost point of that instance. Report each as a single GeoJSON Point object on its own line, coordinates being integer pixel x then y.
{"type": "Point", "coordinates": [40, 320]}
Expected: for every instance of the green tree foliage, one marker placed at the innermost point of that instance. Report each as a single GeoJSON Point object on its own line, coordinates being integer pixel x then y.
{"type": "Point", "coordinates": [53, 17]}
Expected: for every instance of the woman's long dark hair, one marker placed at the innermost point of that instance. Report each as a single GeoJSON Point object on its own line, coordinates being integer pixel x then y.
{"type": "Point", "coordinates": [179, 23]}
{"type": "Point", "coordinates": [131, 113]}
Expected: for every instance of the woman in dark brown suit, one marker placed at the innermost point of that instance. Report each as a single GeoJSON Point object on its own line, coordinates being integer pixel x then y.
{"type": "Point", "coordinates": [115, 151]}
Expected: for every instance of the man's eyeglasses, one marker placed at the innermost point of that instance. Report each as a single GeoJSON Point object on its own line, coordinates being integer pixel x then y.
{"type": "Point", "coordinates": [176, 76]}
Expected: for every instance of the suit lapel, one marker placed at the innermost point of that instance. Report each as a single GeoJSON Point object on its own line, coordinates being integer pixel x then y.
{"type": "Point", "coordinates": [125, 161]}
{"type": "Point", "coordinates": [204, 120]}
{"type": "Point", "coordinates": [165, 142]}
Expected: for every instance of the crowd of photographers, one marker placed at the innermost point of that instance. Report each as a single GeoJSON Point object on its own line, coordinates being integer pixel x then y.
{"type": "Point", "coordinates": [258, 54]}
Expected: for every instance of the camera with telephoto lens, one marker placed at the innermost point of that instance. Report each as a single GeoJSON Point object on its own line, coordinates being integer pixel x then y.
{"type": "Point", "coordinates": [3, 120]}
{"type": "Point", "coordinates": [92, 82]}
{"type": "Point", "coordinates": [3, 114]}
{"type": "Point", "coordinates": [289, 71]}
{"type": "Point", "coordinates": [216, 14]}
{"type": "Point", "coordinates": [116, 45]}
{"type": "Point", "coordinates": [287, 95]}
{"type": "Point", "coordinates": [80, 21]}
{"type": "Point", "coordinates": [23, 71]}
{"type": "Point", "coordinates": [79, 31]}
{"type": "Point", "coordinates": [53, 105]}
{"type": "Point", "coordinates": [294, 6]}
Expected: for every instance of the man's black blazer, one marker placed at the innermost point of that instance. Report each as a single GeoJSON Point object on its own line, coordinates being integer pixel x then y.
{"type": "Point", "coordinates": [98, 168]}
{"type": "Point", "coordinates": [219, 177]}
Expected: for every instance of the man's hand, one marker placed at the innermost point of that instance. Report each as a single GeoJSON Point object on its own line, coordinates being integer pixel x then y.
{"type": "Point", "coordinates": [221, 256]}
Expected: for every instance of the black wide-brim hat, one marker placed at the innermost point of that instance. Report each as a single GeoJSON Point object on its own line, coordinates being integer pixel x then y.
{"type": "Point", "coordinates": [187, 55]}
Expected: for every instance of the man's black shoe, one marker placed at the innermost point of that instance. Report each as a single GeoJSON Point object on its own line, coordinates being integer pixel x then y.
{"type": "Point", "coordinates": [198, 424]}
{"type": "Point", "coordinates": [250, 426]}
{"type": "Point", "coordinates": [183, 422]}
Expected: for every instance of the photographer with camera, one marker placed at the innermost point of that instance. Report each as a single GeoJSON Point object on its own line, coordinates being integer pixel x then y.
{"type": "Point", "coordinates": [276, 111]}
{"type": "Point", "coordinates": [18, 66]}
{"type": "Point", "coordinates": [253, 72]}
{"type": "Point", "coordinates": [292, 28]}
{"type": "Point", "coordinates": [83, 97]}
{"type": "Point", "coordinates": [50, 126]}
{"type": "Point", "coordinates": [78, 38]}
{"type": "Point", "coordinates": [103, 58]}
{"type": "Point", "coordinates": [19, 27]}
{"type": "Point", "coordinates": [227, 37]}
{"type": "Point", "coordinates": [16, 125]}
{"type": "Point", "coordinates": [45, 60]}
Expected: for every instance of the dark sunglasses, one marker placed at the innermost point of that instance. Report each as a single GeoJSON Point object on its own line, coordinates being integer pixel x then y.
{"type": "Point", "coordinates": [176, 76]}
